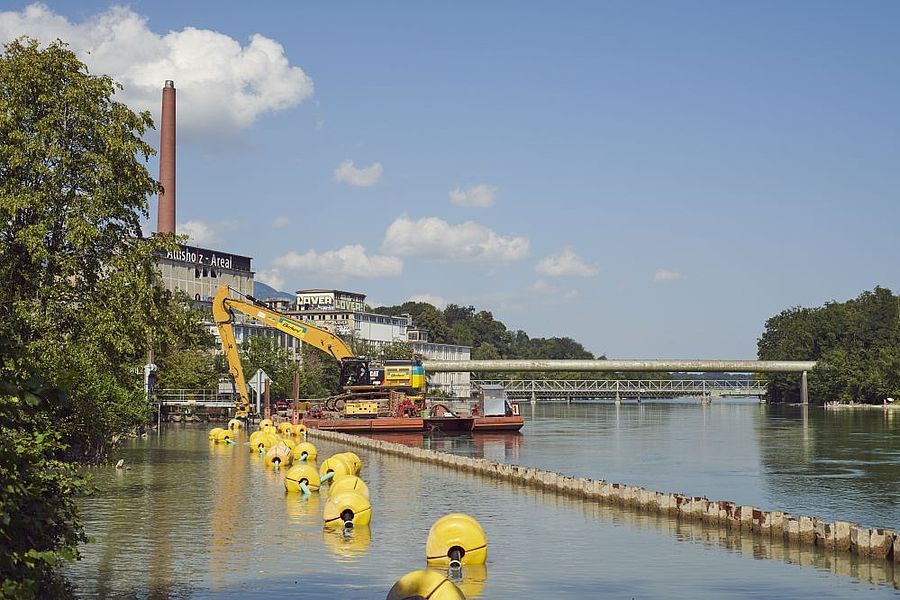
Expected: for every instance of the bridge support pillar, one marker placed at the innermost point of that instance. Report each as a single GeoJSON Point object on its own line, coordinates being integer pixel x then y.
{"type": "Point", "coordinates": [804, 389]}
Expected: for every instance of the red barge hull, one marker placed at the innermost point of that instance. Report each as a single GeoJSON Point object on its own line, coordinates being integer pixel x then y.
{"type": "Point", "coordinates": [396, 424]}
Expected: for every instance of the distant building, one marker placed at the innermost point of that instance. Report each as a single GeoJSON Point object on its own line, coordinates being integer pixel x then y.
{"type": "Point", "coordinates": [455, 384]}
{"type": "Point", "coordinates": [311, 300]}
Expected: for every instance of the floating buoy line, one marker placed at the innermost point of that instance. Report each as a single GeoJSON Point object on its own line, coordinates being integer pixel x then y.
{"type": "Point", "coordinates": [455, 541]}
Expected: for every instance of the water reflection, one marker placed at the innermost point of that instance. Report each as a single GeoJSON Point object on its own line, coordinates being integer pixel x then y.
{"type": "Point", "coordinates": [498, 446]}
{"type": "Point", "coordinates": [471, 582]}
{"type": "Point", "coordinates": [347, 543]}
{"type": "Point", "coordinates": [195, 519]}
{"type": "Point", "coordinates": [837, 464]}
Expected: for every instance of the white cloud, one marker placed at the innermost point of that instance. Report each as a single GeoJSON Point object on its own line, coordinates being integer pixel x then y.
{"type": "Point", "coordinates": [346, 172]}
{"type": "Point", "coordinates": [432, 237]}
{"type": "Point", "coordinates": [542, 287]}
{"type": "Point", "coordinates": [203, 233]}
{"type": "Point", "coordinates": [271, 277]}
{"type": "Point", "coordinates": [566, 263]}
{"type": "Point", "coordinates": [349, 261]}
{"type": "Point", "coordinates": [476, 196]}
{"type": "Point", "coordinates": [221, 84]}
{"type": "Point", "coordinates": [662, 276]}
{"type": "Point", "coordinates": [437, 301]}
{"type": "Point", "coordinates": [281, 222]}
{"type": "Point", "coordinates": [198, 232]}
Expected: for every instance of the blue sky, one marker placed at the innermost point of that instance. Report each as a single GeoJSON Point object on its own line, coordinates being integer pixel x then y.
{"type": "Point", "coordinates": [654, 179]}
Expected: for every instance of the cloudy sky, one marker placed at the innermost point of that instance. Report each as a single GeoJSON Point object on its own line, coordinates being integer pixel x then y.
{"type": "Point", "coordinates": [652, 179]}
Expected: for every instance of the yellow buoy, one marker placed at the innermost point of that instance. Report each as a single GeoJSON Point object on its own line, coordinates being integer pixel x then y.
{"type": "Point", "coordinates": [425, 584]}
{"type": "Point", "coordinates": [349, 483]}
{"type": "Point", "coordinates": [285, 428]}
{"type": "Point", "coordinates": [265, 423]}
{"type": "Point", "coordinates": [299, 429]}
{"type": "Point", "coordinates": [335, 466]}
{"type": "Point", "coordinates": [268, 428]}
{"type": "Point", "coordinates": [225, 435]}
{"type": "Point", "coordinates": [305, 448]}
{"type": "Point", "coordinates": [347, 509]}
{"type": "Point", "coordinates": [456, 539]}
{"type": "Point", "coordinates": [279, 455]}
{"type": "Point", "coordinates": [235, 424]}
{"type": "Point", "coordinates": [254, 439]}
{"type": "Point", "coordinates": [301, 473]}
{"type": "Point", "coordinates": [214, 432]}
{"type": "Point", "coordinates": [264, 442]}
{"type": "Point", "coordinates": [288, 442]}
{"type": "Point", "coordinates": [354, 461]}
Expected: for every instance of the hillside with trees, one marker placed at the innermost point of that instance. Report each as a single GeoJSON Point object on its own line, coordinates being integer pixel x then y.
{"type": "Point", "coordinates": [856, 345]}
{"type": "Point", "coordinates": [488, 337]}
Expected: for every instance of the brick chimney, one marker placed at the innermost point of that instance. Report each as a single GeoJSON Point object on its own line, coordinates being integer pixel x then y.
{"type": "Point", "coordinates": [165, 218]}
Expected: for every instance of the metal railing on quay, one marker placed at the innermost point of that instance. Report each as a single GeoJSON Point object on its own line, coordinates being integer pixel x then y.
{"type": "Point", "coordinates": [199, 397]}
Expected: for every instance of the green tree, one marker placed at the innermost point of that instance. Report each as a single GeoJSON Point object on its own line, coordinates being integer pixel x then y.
{"type": "Point", "coordinates": [320, 374]}
{"type": "Point", "coordinates": [260, 352]}
{"type": "Point", "coordinates": [396, 351]}
{"type": "Point", "coordinates": [486, 351]}
{"type": "Point", "coordinates": [80, 300]}
{"type": "Point", "coordinates": [190, 361]}
{"type": "Point", "coordinates": [856, 345]}
{"type": "Point", "coordinates": [424, 315]}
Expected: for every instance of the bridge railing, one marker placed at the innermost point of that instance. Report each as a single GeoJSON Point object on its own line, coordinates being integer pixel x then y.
{"type": "Point", "coordinates": [604, 388]}
{"type": "Point", "coordinates": [187, 397]}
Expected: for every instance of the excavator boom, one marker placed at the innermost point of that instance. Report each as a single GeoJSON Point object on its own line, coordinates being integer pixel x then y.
{"type": "Point", "coordinates": [398, 375]}
{"type": "Point", "coordinates": [223, 308]}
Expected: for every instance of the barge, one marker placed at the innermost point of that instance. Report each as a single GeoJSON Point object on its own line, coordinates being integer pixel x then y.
{"type": "Point", "coordinates": [492, 412]}
{"type": "Point", "coordinates": [419, 424]}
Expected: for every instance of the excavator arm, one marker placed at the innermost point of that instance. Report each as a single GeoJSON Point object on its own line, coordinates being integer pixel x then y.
{"type": "Point", "coordinates": [223, 314]}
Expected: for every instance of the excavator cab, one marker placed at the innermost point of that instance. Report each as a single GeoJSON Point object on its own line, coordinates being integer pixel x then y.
{"type": "Point", "coordinates": [355, 371]}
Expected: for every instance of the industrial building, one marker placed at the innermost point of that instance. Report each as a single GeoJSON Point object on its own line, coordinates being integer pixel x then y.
{"type": "Point", "coordinates": [199, 272]}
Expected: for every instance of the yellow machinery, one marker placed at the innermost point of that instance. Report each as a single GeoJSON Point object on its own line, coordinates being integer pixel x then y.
{"type": "Point", "coordinates": [403, 375]}
{"type": "Point", "coordinates": [361, 409]}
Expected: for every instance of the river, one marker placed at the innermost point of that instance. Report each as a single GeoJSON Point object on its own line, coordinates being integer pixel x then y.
{"type": "Point", "coordinates": [194, 519]}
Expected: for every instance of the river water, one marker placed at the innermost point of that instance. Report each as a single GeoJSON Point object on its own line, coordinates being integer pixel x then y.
{"type": "Point", "coordinates": [195, 519]}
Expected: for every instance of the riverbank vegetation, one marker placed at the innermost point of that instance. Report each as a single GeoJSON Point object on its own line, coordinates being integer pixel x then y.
{"type": "Point", "coordinates": [80, 299]}
{"type": "Point", "coordinates": [856, 345]}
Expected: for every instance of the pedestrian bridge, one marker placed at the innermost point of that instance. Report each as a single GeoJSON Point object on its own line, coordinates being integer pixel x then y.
{"type": "Point", "coordinates": [598, 389]}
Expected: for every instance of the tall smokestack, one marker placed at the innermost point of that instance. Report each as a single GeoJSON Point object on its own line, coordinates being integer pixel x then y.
{"type": "Point", "coordinates": [165, 218]}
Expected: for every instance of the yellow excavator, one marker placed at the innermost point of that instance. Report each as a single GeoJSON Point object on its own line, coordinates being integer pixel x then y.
{"type": "Point", "coordinates": [400, 375]}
